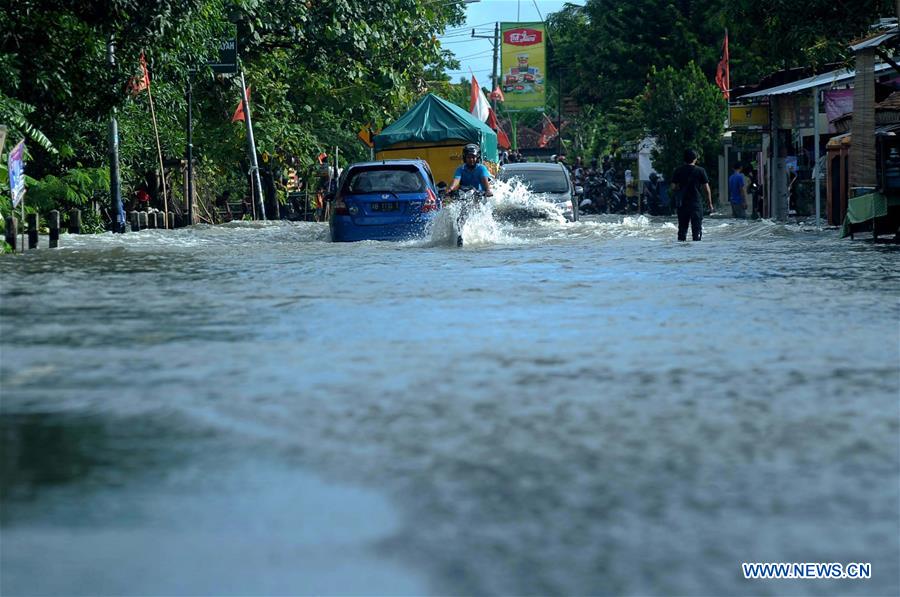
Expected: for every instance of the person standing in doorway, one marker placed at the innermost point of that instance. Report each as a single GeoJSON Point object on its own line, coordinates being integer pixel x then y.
{"type": "Point", "coordinates": [687, 182]}
{"type": "Point", "coordinates": [737, 192]}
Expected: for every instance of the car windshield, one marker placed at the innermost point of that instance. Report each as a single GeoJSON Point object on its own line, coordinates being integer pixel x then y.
{"type": "Point", "coordinates": [539, 181]}
{"type": "Point", "coordinates": [385, 180]}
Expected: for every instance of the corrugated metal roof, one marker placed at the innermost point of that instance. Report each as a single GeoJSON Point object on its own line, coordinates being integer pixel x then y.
{"type": "Point", "coordinates": [874, 42]}
{"type": "Point", "coordinates": [835, 76]}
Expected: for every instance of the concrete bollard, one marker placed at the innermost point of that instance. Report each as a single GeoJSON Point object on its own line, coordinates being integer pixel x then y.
{"type": "Point", "coordinates": [32, 220]}
{"type": "Point", "coordinates": [151, 219]}
{"type": "Point", "coordinates": [133, 220]}
{"type": "Point", "coordinates": [171, 220]}
{"type": "Point", "coordinates": [54, 229]}
{"type": "Point", "coordinates": [142, 220]}
{"type": "Point", "coordinates": [75, 221]}
{"type": "Point", "coordinates": [12, 230]}
{"type": "Point", "coordinates": [179, 221]}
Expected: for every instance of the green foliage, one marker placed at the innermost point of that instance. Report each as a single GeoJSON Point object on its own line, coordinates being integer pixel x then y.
{"type": "Point", "coordinates": [319, 70]}
{"type": "Point", "coordinates": [682, 110]}
{"type": "Point", "coordinates": [76, 188]}
{"type": "Point", "coordinates": [767, 35]}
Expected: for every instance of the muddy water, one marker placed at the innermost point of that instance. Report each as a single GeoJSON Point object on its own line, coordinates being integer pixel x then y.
{"type": "Point", "coordinates": [556, 408]}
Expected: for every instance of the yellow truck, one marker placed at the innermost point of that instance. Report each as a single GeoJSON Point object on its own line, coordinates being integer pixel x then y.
{"type": "Point", "coordinates": [436, 131]}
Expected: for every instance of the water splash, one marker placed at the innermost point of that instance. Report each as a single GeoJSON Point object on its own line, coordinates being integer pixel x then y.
{"type": "Point", "coordinates": [513, 202]}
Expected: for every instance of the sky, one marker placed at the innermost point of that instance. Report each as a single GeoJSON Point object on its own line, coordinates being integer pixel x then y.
{"type": "Point", "coordinates": [477, 54]}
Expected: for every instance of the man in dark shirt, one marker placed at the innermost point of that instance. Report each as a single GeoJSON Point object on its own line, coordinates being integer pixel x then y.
{"type": "Point", "coordinates": [687, 181]}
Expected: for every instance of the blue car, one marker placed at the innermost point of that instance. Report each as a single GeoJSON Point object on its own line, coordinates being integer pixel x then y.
{"type": "Point", "coordinates": [387, 200]}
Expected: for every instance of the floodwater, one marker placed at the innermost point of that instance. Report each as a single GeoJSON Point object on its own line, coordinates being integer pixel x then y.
{"type": "Point", "coordinates": [555, 408]}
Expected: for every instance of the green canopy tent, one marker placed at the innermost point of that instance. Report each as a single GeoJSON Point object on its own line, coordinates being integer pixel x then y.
{"type": "Point", "coordinates": [434, 120]}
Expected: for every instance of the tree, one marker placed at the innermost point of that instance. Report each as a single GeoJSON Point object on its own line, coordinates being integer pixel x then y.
{"type": "Point", "coordinates": [607, 47]}
{"type": "Point", "coordinates": [769, 35]}
{"type": "Point", "coordinates": [683, 110]}
{"type": "Point", "coordinates": [320, 69]}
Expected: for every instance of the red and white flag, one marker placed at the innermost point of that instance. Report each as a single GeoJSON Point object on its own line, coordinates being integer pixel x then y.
{"type": "Point", "coordinates": [478, 104]}
{"type": "Point", "coordinates": [723, 76]}
{"type": "Point", "coordinates": [239, 111]}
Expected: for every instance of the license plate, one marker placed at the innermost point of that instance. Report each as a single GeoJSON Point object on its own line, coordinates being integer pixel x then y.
{"type": "Point", "coordinates": [385, 206]}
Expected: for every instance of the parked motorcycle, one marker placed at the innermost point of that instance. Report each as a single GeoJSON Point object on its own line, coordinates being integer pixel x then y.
{"type": "Point", "coordinates": [654, 200]}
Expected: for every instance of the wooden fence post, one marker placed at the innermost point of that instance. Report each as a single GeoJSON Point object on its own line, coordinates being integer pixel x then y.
{"type": "Point", "coordinates": [11, 231]}
{"type": "Point", "coordinates": [54, 229]}
{"type": "Point", "coordinates": [75, 221]}
{"type": "Point", "coordinates": [32, 220]}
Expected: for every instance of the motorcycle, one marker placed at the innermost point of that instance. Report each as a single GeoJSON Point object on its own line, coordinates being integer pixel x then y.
{"type": "Point", "coordinates": [468, 198]}
{"type": "Point", "coordinates": [593, 200]}
{"type": "Point", "coordinates": [653, 201]}
{"type": "Point", "coordinates": [614, 196]}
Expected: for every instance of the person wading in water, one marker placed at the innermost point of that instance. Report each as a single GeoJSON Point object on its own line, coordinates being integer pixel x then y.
{"type": "Point", "coordinates": [687, 180]}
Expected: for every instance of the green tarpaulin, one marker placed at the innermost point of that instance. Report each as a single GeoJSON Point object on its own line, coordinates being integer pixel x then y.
{"type": "Point", "coordinates": [866, 207]}
{"type": "Point", "coordinates": [435, 119]}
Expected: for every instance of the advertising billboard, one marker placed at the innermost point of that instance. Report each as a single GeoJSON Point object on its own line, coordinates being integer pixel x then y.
{"type": "Point", "coordinates": [523, 63]}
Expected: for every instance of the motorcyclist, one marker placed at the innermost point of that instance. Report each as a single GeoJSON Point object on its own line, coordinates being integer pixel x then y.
{"type": "Point", "coordinates": [471, 173]}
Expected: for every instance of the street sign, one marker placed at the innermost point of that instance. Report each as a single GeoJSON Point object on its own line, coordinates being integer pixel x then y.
{"type": "Point", "coordinates": [17, 173]}
{"type": "Point", "coordinates": [749, 116]}
{"type": "Point", "coordinates": [227, 60]}
{"type": "Point", "coordinates": [365, 135]}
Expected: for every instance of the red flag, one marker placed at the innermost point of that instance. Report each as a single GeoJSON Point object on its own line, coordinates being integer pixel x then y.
{"type": "Point", "coordinates": [138, 84]}
{"type": "Point", "coordinates": [502, 139]}
{"type": "Point", "coordinates": [497, 95]}
{"type": "Point", "coordinates": [547, 133]}
{"type": "Point", "coordinates": [239, 111]}
{"type": "Point", "coordinates": [723, 76]}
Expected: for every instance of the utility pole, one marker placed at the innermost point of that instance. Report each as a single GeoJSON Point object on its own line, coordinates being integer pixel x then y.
{"type": "Point", "coordinates": [816, 170]}
{"type": "Point", "coordinates": [559, 116]}
{"type": "Point", "coordinates": [117, 210]}
{"type": "Point", "coordinates": [190, 151]}
{"type": "Point", "coordinates": [495, 83]}
{"type": "Point", "coordinates": [495, 39]}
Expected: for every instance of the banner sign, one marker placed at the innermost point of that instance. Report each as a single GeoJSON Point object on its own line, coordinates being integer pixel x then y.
{"type": "Point", "coordinates": [17, 173]}
{"type": "Point", "coordinates": [749, 116]}
{"type": "Point", "coordinates": [523, 65]}
{"type": "Point", "coordinates": [837, 103]}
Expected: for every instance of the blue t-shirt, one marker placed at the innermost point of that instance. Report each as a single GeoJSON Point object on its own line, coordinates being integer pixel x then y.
{"type": "Point", "coordinates": [735, 186]}
{"type": "Point", "coordinates": [472, 178]}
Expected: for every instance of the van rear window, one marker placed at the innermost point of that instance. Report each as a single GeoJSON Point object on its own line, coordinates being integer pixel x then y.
{"type": "Point", "coordinates": [539, 181]}
{"type": "Point", "coordinates": [392, 180]}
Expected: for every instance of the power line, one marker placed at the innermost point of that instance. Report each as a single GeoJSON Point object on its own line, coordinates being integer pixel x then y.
{"type": "Point", "coordinates": [467, 27]}
{"type": "Point", "coordinates": [451, 43]}
{"type": "Point", "coordinates": [478, 55]}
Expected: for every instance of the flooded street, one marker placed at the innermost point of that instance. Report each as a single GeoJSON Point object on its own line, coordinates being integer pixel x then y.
{"type": "Point", "coordinates": [556, 408]}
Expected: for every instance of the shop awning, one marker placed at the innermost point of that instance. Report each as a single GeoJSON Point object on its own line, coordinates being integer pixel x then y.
{"type": "Point", "coordinates": [829, 78]}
